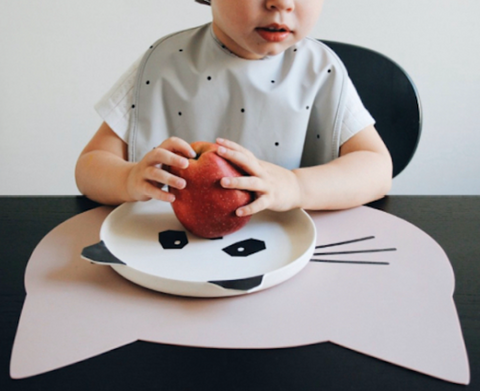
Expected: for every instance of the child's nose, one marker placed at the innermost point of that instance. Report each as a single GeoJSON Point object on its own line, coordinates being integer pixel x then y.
{"type": "Point", "coordinates": [281, 5]}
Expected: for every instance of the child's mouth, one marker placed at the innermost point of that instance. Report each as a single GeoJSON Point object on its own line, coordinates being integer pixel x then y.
{"type": "Point", "coordinates": [274, 32]}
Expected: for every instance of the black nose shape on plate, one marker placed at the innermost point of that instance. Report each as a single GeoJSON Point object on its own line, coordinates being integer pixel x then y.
{"type": "Point", "coordinates": [243, 284]}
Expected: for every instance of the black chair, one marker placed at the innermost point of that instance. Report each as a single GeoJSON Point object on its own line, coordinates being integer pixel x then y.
{"type": "Point", "coordinates": [391, 97]}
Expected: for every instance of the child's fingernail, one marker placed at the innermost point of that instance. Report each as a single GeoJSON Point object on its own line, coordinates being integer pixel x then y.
{"type": "Point", "coordinates": [240, 212]}
{"type": "Point", "coordinates": [181, 183]}
{"type": "Point", "coordinates": [222, 150]}
{"type": "Point", "coordinates": [183, 163]}
{"type": "Point", "coordinates": [225, 182]}
{"type": "Point", "coordinates": [220, 140]}
{"type": "Point", "coordinates": [192, 153]}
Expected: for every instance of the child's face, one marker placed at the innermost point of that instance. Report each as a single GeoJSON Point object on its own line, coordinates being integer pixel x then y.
{"type": "Point", "coordinates": [253, 29]}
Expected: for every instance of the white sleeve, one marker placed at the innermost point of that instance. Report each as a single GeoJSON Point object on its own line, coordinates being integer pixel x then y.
{"type": "Point", "coordinates": [116, 105]}
{"type": "Point", "coordinates": [356, 116]}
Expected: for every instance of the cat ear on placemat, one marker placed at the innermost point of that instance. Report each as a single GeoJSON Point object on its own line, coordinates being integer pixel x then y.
{"type": "Point", "coordinates": [60, 324]}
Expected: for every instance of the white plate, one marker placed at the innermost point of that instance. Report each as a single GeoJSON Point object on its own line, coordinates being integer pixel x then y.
{"type": "Point", "coordinates": [270, 249]}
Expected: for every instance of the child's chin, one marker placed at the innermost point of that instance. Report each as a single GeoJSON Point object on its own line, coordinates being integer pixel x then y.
{"type": "Point", "coordinates": [266, 52]}
{"type": "Point", "coordinates": [275, 51]}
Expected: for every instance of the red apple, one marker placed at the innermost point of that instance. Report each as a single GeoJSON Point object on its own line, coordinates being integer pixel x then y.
{"type": "Point", "coordinates": [204, 207]}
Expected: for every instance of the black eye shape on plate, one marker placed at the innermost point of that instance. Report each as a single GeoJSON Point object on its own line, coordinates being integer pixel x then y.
{"type": "Point", "coordinates": [176, 240]}
{"type": "Point", "coordinates": [173, 240]}
{"type": "Point", "coordinates": [245, 248]}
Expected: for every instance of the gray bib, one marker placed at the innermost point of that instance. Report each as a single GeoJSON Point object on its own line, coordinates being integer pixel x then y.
{"type": "Point", "coordinates": [287, 109]}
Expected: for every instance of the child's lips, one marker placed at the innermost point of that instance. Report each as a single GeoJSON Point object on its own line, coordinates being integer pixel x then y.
{"type": "Point", "coordinates": [274, 32]}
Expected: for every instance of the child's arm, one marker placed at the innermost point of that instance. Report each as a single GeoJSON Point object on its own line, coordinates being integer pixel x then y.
{"type": "Point", "coordinates": [104, 174]}
{"type": "Point", "coordinates": [361, 174]}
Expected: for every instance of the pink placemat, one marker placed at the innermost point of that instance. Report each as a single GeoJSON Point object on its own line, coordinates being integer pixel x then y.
{"type": "Point", "coordinates": [376, 284]}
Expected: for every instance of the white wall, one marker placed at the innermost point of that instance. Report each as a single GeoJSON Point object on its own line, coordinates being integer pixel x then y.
{"type": "Point", "coordinates": [59, 57]}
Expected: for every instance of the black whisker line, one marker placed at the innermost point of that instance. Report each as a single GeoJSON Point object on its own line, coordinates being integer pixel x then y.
{"type": "Point", "coordinates": [381, 250]}
{"type": "Point", "coordinates": [350, 262]}
{"type": "Point", "coordinates": [346, 242]}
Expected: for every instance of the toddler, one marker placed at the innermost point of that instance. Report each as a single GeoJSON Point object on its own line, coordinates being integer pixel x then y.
{"type": "Point", "coordinates": [280, 105]}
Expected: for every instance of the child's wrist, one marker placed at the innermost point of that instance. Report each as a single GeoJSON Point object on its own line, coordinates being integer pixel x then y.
{"type": "Point", "coordinates": [128, 193]}
{"type": "Point", "coordinates": [297, 189]}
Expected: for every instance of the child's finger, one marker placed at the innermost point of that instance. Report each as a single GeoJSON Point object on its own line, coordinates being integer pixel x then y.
{"type": "Point", "coordinates": [179, 146]}
{"type": "Point", "coordinates": [164, 156]}
{"type": "Point", "coordinates": [242, 159]}
{"type": "Point", "coordinates": [158, 175]}
{"type": "Point", "coordinates": [232, 145]}
{"type": "Point", "coordinates": [154, 192]}
{"type": "Point", "coordinates": [256, 206]}
{"type": "Point", "coordinates": [250, 183]}
{"type": "Point", "coordinates": [229, 144]}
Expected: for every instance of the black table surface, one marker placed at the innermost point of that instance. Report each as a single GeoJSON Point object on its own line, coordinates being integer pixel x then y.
{"type": "Point", "coordinates": [453, 221]}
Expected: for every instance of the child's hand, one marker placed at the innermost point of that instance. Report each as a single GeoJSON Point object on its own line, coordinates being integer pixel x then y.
{"type": "Point", "coordinates": [276, 188]}
{"type": "Point", "coordinates": [147, 177]}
